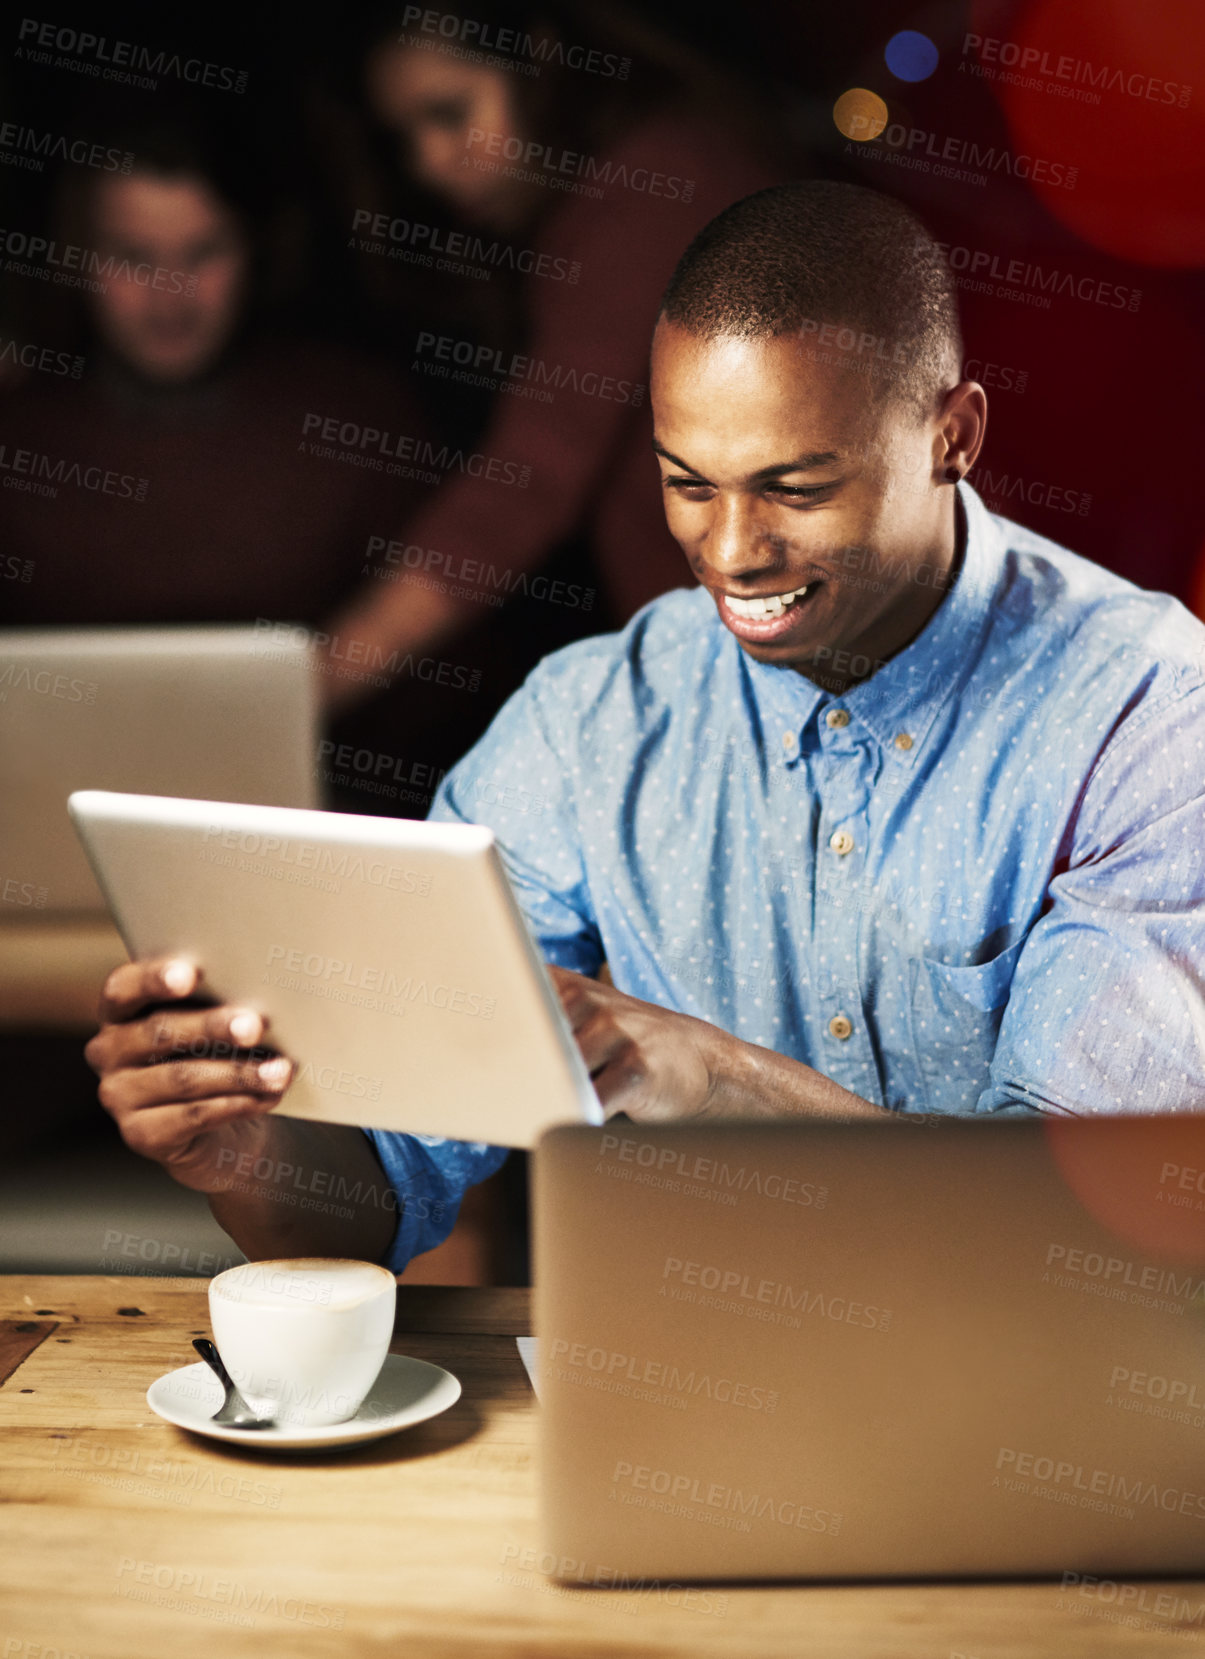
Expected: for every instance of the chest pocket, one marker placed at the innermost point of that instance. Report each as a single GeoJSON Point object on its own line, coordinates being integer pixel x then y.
{"type": "Point", "coordinates": [955, 1014]}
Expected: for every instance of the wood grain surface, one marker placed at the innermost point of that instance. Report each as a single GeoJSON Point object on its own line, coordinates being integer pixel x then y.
{"type": "Point", "coordinates": [125, 1538]}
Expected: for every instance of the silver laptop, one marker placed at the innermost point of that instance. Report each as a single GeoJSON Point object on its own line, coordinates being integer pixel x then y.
{"type": "Point", "coordinates": [198, 711]}
{"type": "Point", "coordinates": [799, 1351]}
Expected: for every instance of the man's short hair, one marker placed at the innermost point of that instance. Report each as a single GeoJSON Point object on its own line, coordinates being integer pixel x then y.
{"type": "Point", "coordinates": [849, 270]}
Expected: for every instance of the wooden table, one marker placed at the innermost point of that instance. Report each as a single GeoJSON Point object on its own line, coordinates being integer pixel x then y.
{"type": "Point", "coordinates": [124, 1538]}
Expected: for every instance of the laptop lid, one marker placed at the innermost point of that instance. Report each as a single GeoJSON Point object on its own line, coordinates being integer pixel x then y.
{"type": "Point", "coordinates": [197, 711]}
{"type": "Point", "coordinates": [920, 1348]}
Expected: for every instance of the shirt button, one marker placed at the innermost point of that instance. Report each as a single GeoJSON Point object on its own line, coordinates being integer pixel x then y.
{"type": "Point", "coordinates": [842, 842]}
{"type": "Point", "coordinates": [902, 740]}
{"type": "Point", "coordinates": [840, 1027]}
{"type": "Point", "coordinates": [837, 717]}
{"type": "Point", "coordinates": [788, 741]}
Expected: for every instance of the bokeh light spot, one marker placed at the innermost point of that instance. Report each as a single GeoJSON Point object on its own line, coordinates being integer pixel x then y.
{"type": "Point", "coordinates": [1104, 109]}
{"type": "Point", "coordinates": [1137, 1176]}
{"type": "Point", "coordinates": [860, 114]}
{"type": "Point", "coordinates": [910, 55]}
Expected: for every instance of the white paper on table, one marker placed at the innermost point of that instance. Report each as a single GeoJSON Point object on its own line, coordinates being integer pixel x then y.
{"type": "Point", "coordinates": [528, 1351]}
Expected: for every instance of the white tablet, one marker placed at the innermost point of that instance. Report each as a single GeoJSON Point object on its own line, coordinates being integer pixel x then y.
{"type": "Point", "coordinates": [389, 955]}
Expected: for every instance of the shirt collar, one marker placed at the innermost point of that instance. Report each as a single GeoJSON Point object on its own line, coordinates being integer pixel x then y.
{"type": "Point", "coordinates": [900, 702]}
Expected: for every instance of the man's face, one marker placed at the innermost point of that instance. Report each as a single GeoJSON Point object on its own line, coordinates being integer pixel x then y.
{"type": "Point", "coordinates": [173, 331]}
{"type": "Point", "coordinates": [783, 476]}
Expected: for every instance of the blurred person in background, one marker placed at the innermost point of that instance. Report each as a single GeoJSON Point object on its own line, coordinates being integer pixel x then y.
{"type": "Point", "coordinates": [581, 150]}
{"type": "Point", "coordinates": [170, 483]}
{"type": "Point", "coordinates": [186, 392]}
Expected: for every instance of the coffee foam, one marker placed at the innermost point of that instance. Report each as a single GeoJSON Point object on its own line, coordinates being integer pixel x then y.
{"type": "Point", "coordinates": [311, 1281]}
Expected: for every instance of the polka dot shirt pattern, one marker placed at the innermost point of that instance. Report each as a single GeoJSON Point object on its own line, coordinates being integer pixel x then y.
{"type": "Point", "coordinates": [972, 883]}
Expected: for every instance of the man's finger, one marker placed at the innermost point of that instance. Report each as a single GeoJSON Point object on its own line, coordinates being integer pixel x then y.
{"type": "Point", "coordinates": [138, 985]}
{"type": "Point", "coordinates": [599, 1039]}
{"type": "Point", "coordinates": [577, 994]}
{"type": "Point", "coordinates": [618, 1082]}
{"type": "Point", "coordinates": [138, 1087]}
{"type": "Point", "coordinates": [168, 1133]}
{"type": "Point", "coordinates": [205, 1033]}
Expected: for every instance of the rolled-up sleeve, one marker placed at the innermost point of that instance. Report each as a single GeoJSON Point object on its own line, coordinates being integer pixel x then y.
{"type": "Point", "coordinates": [1106, 1011]}
{"type": "Point", "coordinates": [429, 1177]}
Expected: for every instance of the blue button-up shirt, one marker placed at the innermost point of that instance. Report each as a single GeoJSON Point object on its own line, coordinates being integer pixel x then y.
{"type": "Point", "coordinates": [974, 882]}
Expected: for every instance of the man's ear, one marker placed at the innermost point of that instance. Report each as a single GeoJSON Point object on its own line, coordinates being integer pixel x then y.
{"type": "Point", "coordinates": [962, 425]}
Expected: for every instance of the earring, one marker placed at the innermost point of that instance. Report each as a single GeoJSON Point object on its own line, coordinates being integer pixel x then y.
{"type": "Point", "coordinates": [953, 475]}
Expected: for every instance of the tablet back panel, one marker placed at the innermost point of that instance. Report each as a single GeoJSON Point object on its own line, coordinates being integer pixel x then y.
{"type": "Point", "coordinates": [389, 955]}
{"type": "Point", "coordinates": [883, 1350]}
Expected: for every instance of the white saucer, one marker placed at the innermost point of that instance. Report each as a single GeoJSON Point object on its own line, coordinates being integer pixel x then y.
{"type": "Point", "coordinates": [407, 1391]}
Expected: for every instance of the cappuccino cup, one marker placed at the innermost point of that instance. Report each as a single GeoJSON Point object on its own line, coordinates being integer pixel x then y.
{"type": "Point", "coordinates": [303, 1339]}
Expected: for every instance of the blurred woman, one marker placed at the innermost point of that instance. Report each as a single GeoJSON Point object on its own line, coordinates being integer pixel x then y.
{"type": "Point", "coordinates": [583, 156]}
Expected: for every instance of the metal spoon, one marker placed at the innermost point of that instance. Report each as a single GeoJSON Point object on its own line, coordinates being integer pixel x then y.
{"type": "Point", "coordinates": [234, 1412]}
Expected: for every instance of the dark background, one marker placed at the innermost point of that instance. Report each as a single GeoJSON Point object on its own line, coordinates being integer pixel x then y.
{"type": "Point", "coordinates": [1097, 427]}
{"type": "Point", "coordinates": [1110, 415]}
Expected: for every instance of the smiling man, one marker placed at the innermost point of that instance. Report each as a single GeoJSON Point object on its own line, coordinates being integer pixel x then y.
{"type": "Point", "coordinates": [900, 810]}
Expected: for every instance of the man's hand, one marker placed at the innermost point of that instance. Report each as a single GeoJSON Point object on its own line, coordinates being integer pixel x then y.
{"type": "Point", "coordinates": [193, 1088]}
{"type": "Point", "coordinates": [646, 1061]}
{"type": "Point", "coordinates": [657, 1065]}
{"type": "Point", "coordinates": [184, 1084]}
